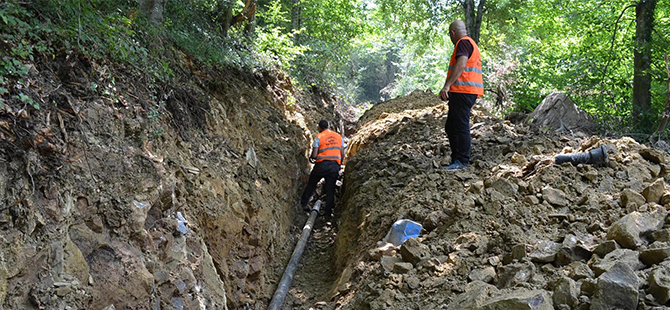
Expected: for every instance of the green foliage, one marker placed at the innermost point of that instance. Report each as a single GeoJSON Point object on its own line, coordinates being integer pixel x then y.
{"type": "Point", "coordinates": [15, 36]}
{"type": "Point", "coordinates": [274, 40]}
{"type": "Point", "coordinates": [362, 50]}
{"type": "Point", "coordinates": [195, 27]}
{"type": "Point", "coordinates": [99, 28]}
{"type": "Point", "coordinates": [26, 99]}
{"type": "Point", "coordinates": [531, 49]}
{"type": "Point", "coordinates": [2, 89]}
{"type": "Point", "coordinates": [330, 30]}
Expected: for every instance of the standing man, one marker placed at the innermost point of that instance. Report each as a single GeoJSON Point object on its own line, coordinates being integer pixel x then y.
{"type": "Point", "coordinates": [463, 86]}
{"type": "Point", "coordinates": [328, 151]}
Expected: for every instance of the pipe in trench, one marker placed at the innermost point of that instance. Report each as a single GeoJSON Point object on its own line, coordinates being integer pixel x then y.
{"type": "Point", "coordinates": [282, 288]}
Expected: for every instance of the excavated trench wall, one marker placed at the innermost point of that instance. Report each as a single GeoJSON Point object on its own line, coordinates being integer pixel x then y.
{"type": "Point", "coordinates": [144, 198]}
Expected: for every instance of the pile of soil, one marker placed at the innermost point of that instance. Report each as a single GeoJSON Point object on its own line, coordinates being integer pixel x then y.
{"type": "Point", "coordinates": [512, 231]}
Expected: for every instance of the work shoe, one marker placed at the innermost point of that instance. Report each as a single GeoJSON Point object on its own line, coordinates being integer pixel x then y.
{"type": "Point", "coordinates": [456, 165]}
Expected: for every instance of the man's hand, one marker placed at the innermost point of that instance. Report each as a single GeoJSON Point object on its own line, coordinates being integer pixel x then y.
{"type": "Point", "coordinates": [312, 160]}
{"type": "Point", "coordinates": [444, 93]}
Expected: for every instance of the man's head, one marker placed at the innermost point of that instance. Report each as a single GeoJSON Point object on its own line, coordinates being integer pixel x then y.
{"type": "Point", "coordinates": [323, 125]}
{"type": "Point", "coordinates": [457, 30]}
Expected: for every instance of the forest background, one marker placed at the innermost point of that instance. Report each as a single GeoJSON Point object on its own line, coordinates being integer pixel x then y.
{"type": "Point", "coordinates": [607, 55]}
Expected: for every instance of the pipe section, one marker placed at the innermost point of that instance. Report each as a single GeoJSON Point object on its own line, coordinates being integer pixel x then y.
{"type": "Point", "coordinates": [287, 278]}
{"type": "Point", "coordinates": [597, 156]}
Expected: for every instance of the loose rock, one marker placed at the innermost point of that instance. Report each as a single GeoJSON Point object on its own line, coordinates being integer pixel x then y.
{"type": "Point", "coordinates": [605, 248]}
{"type": "Point", "coordinates": [654, 191]}
{"type": "Point", "coordinates": [628, 257]}
{"type": "Point", "coordinates": [554, 196]}
{"type": "Point", "coordinates": [629, 196]}
{"type": "Point", "coordinates": [402, 268]}
{"type": "Point", "coordinates": [476, 293]}
{"type": "Point", "coordinates": [655, 253]}
{"type": "Point", "coordinates": [565, 293]}
{"type": "Point", "coordinates": [531, 300]}
{"type": "Point", "coordinates": [629, 230]}
{"type": "Point", "coordinates": [544, 251]}
{"type": "Point", "coordinates": [485, 274]}
{"type": "Point", "coordinates": [659, 284]}
{"type": "Point", "coordinates": [616, 289]}
{"type": "Point", "coordinates": [413, 251]}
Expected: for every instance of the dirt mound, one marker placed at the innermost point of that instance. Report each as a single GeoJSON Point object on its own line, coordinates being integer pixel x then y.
{"type": "Point", "coordinates": [559, 113]}
{"type": "Point", "coordinates": [119, 192]}
{"type": "Point", "coordinates": [510, 229]}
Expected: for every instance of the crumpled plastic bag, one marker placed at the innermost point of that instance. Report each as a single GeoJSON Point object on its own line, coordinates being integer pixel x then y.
{"type": "Point", "coordinates": [403, 230]}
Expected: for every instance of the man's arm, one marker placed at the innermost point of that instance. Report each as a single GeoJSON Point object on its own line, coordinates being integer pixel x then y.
{"type": "Point", "coordinates": [461, 61]}
{"type": "Point", "coordinates": [315, 153]}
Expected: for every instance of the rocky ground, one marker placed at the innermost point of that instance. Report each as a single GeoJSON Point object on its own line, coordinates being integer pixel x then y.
{"type": "Point", "coordinates": [120, 193]}
{"type": "Point", "coordinates": [512, 231]}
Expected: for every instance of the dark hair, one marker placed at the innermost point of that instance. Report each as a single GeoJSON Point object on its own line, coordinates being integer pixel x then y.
{"type": "Point", "coordinates": [323, 124]}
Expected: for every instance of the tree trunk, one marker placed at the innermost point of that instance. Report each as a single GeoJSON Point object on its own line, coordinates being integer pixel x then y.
{"type": "Point", "coordinates": [225, 18]}
{"type": "Point", "coordinates": [248, 14]}
{"type": "Point", "coordinates": [642, 60]}
{"type": "Point", "coordinates": [665, 118]}
{"type": "Point", "coordinates": [473, 19]}
{"type": "Point", "coordinates": [250, 26]}
{"type": "Point", "coordinates": [153, 9]}
{"type": "Point", "coordinates": [296, 22]}
{"type": "Point", "coordinates": [228, 15]}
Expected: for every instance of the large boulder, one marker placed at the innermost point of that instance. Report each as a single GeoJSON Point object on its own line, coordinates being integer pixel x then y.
{"type": "Point", "coordinates": [558, 112]}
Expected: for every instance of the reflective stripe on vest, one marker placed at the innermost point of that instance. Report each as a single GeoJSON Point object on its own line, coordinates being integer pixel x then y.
{"type": "Point", "coordinates": [471, 80]}
{"type": "Point", "coordinates": [330, 146]}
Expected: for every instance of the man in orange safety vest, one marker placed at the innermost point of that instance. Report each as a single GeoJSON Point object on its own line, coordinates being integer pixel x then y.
{"type": "Point", "coordinates": [327, 152]}
{"type": "Point", "coordinates": [464, 84]}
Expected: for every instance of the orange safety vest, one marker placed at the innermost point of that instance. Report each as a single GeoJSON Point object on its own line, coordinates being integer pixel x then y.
{"type": "Point", "coordinates": [470, 81]}
{"type": "Point", "coordinates": [330, 146]}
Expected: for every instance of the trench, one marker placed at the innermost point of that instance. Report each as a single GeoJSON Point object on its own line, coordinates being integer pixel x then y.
{"type": "Point", "coordinates": [312, 284]}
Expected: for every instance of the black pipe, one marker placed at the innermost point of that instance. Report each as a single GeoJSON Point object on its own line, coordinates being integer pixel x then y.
{"type": "Point", "coordinates": [282, 288]}
{"type": "Point", "coordinates": [597, 156]}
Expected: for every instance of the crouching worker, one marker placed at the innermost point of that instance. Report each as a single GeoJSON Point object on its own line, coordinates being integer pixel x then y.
{"type": "Point", "coordinates": [327, 151]}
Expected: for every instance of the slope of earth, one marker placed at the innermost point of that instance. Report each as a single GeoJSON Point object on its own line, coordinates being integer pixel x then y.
{"type": "Point", "coordinates": [512, 231]}
{"type": "Point", "coordinates": [119, 193]}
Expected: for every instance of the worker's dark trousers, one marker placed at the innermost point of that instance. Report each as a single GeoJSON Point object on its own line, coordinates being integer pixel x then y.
{"type": "Point", "coordinates": [458, 126]}
{"type": "Point", "coordinates": [326, 169]}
